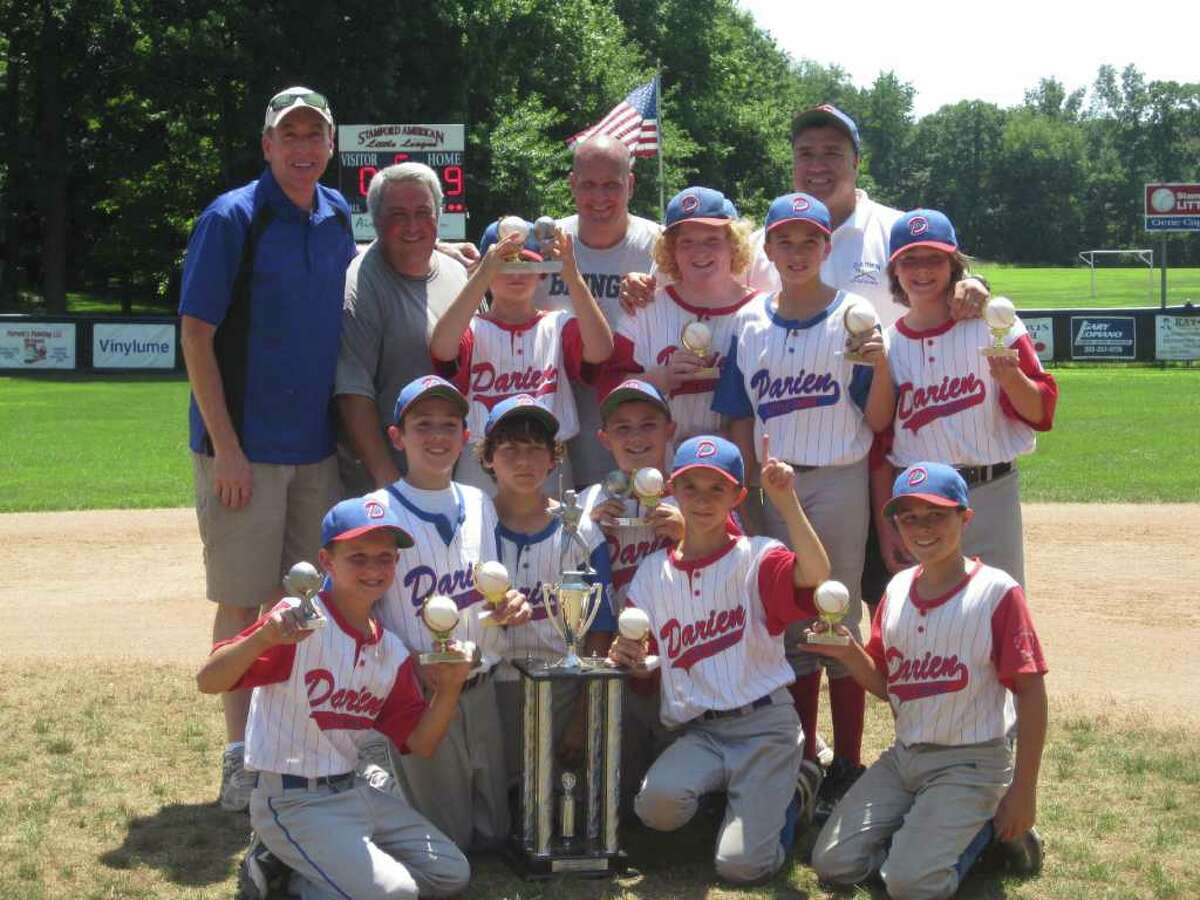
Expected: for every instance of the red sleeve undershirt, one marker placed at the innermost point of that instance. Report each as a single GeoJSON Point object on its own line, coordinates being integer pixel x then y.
{"type": "Point", "coordinates": [404, 706]}
{"type": "Point", "coordinates": [874, 647]}
{"type": "Point", "coordinates": [272, 666]}
{"type": "Point", "coordinates": [1016, 649]}
{"type": "Point", "coordinates": [573, 362]}
{"type": "Point", "coordinates": [620, 366]}
{"type": "Point", "coordinates": [1028, 363]}
{"type": "Point", "coordinates": [781, 599]}
{"type": "Point", "coordinates": [458, 370]}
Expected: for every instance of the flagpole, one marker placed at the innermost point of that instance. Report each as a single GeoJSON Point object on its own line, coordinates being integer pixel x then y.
{"type": "Point", "coordinates": [662, 187]}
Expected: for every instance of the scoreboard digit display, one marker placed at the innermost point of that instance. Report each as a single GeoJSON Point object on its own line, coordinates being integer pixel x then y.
{"type": "Point", "coordinates": [365, 149]}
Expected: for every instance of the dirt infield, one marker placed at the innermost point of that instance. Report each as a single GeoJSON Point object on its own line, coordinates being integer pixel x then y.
{"type": "Point", "coordinates": [1113, 590]}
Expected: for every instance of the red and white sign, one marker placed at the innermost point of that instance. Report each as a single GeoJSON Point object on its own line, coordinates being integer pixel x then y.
{"type": "Point", "coordinates": [1172, 207]}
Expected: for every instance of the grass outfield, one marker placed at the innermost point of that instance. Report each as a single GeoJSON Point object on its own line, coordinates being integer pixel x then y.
{"type": "Point", "coordinates": [102, 795]}
{"type": "Point", "coordinates": [1121, 434]}
{"type": "Point", "coordinates": [1058, 288]}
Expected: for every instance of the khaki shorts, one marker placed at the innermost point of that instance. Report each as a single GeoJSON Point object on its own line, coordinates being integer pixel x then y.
{"type": "Point", "coordinates": [247, 551]}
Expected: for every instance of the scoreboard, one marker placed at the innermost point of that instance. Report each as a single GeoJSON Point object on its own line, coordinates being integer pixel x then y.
{"type": "Point", "coordinates": [365, 149]}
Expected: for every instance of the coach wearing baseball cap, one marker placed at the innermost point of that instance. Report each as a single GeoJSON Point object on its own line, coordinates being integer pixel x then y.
{"type": "Point", "coordinates": [260, 312]}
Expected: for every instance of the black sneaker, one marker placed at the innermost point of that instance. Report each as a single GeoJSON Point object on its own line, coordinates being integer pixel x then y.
{"type": "Point", "coordinates": [262, 875]}
{"type": "Point", "coordinates": [838, 780]}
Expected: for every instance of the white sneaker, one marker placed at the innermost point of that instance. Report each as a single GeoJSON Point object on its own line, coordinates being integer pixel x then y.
{"type": "Point", "coordinates": [236, 782]}
{"type": "Point", "coordinates": [376, 766]}
{"type": "Point", "coordinates": [824, 752]}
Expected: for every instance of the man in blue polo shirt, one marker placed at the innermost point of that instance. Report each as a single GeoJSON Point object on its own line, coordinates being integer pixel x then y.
{"type": "Point", "coordinates": [260, 312]}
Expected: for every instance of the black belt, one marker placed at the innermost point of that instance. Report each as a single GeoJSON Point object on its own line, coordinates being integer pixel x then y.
{"type": "Point", "coordinates": [974, 475]}
{"type": "Point", "coordinates": [800, 470]}
{"type": "Point", "coordinates": [477, 679]}
{"type": "Point", "coordinates": [337, 782]}
{"type": "Point", "coordinates": [762, 701]}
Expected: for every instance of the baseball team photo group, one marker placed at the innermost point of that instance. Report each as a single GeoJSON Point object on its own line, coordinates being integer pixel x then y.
{"type": "Point", "coordinates": [582, 553]}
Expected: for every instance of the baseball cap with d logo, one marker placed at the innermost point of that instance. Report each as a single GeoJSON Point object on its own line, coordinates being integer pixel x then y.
{"type": "Point", "coordinates": [935, 483]}
{"type": "Point", "coordinates": [922, 228]}
{"type": "Point", "coordinates": [798, 207]}
{"type": "Point", "coordinates": [707, 451]}
{"type": "Point", "coordinates": [707, 206]}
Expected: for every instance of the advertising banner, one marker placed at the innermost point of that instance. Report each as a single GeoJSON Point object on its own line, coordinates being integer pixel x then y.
{"type": "Point", "coordinates": [1177, 337]}
{"type": "Point", "coordinates": [133, 346]}
{"type": "Point", "coordinates": [1103, 337]}
{"type": "Point", "coordinates": [37, 345]}
{"type": "Point", "coordinates": [1041, 332]}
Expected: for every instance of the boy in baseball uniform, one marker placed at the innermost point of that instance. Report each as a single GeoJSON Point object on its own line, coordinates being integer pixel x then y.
{"type": "Point", "coordinates": [954, 652]}
{"type": "Point", "coordinates": [519, 449]}
{"type": "Point", "coordinates": [718, 605]}
{"type": "Point", "coordinates": [515, 348]}
{"type": "Point", "coordinates": [460, 788]}
{"type": "Point", "coordinates": [788, 381]}
{"type": "Point", "coordinates": [317, 695]}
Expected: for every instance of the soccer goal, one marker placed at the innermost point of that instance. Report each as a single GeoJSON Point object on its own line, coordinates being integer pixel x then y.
{"type": "Point", "coordinates": [1146, 257]}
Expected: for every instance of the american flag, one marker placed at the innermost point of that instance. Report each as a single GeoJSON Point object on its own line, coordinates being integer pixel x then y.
{"type": "Point", "coordinates": [633, 121]}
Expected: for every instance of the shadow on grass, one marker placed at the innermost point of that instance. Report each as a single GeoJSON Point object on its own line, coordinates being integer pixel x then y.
{"type": "Point", "coordinates": [191, 844]}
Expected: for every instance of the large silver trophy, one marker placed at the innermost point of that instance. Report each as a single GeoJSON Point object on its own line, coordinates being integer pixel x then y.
{"type": "Point", "coordinates": [303, 582]}
{"type": "Point", "coordinates": [568, 819]}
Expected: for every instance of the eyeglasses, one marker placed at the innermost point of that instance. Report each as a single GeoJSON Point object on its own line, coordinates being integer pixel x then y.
{"type": "Point", "coordinates": [288, 99]}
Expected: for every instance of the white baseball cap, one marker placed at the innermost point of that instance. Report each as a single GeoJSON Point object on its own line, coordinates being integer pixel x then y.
{"type": "Point", "coordinates": [293, 98]}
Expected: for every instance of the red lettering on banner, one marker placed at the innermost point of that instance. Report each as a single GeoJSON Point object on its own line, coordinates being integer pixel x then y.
{"type": "Point", "coordinates": [687, 644]}
{"type": "Point", "coordinates": [927, 676]}
{"type": "Point", "coordinates": [916, 407]}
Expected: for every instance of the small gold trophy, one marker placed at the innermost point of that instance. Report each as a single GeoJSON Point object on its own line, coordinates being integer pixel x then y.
{"type": "Point", "coordinates": [491, 580]}
{"type": "Point", "coordinates": [514, 265]}
{"type": "Point", "coordinates": [440, 615]}
{"type": "Point", "coordinates": [860, 320]}
{"type": "Point", "coordinates": [696, 338]}
{"type": "Point", "coordinates": [833, 600]}
{"type": "Point", "coordinates": [617, 486]}
{"type": "Point", "coordinates": [648, 488]}
{"type": "Point", "coordinates": [999, 313]}
{"type": "Point", "coordinates": [634, 625]}
{"type": "Point", "coordinates": [304, 582]}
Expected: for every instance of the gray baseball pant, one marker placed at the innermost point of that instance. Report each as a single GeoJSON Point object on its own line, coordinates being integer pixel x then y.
{"type": "Point", "coordinates": [755, 759]}
{"type": "Point", "coordinates": [931, 802]}
{"type": "Point", "coordinates": [995, 534]}
{"type": "Point", "coordinates": [355, 842]}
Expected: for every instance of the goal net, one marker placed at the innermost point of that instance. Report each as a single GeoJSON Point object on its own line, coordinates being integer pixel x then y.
{"type": "Point", "coordinates": [1094, 259]}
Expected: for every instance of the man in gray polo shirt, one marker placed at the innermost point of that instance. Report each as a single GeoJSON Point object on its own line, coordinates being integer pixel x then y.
{"type": "Point", "coordinates": [395, 292]}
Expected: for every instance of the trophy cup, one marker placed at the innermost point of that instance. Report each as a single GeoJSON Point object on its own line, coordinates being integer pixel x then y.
{"type": "Point", "coordinates": [491, 580]}
{"type": "Point", "coordinates": [304, 582]}
{"type": "Point", "coordinates": [634, 625]}
{"type": "Point", "coordinates": [517, 266]}
{"type": "Point", "coordinates": [568, 820]}
{"type": "Point", "coordinates": [440, 615]}
{"type": "Point", "coordinates": [696, 338]}
{"type": "Point", "coordinates": [999, 313]}
{"type": "Point", "coordinates": [860, 320]}
{"type": "Point", "coordinates": [832, 600]}
{"type": "Point", "coordinates": [617, 486]}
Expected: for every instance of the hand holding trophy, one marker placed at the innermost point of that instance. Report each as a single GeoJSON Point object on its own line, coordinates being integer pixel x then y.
{"type": "Point", "coordinates": [696, 338]}
{"type": "Point", "coordinates": [648, 487]}
{"type": "Point", "coordinates": [634, 625]}
{"type": "Point", "coordinates": [491, 580]}
{"type": "Point", "coordinates": [860, 320]}
{"type": "Point", "coordinates": [304, 582]}
{"type": "Point", "coordinates": [544, 231]}
{"type": "Point", "coordinates": [832, 599]}
{"type": "Point", "coordinates": [440, 615]}
{"type": "Point", "coordinates": [999, 313]}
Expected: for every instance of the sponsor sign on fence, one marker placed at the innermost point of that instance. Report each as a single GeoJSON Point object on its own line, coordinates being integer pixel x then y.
{"type": "Point", "coordinates": [1177, 337]}
{"type": "Point", "coordinates": [1103, 337]}
{"type": "Point", "coordinates": [39, 345]}
{"type": "Point", "coordinates": [133, 346]}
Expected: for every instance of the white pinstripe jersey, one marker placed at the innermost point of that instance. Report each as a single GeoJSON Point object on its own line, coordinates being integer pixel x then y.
{"type": "Point", "coordinates": [627, 547]}
{"type": "Point", "coordinates": [534, 561]}
{"type": "Point", "coordinates": [948, 659]}
{"type": "Point", "coordinates": [791, 376]}
{"type": "Point", "coordinates": [720, 646]}
{"type": "Point", "coordinates": [314, 703]}
{"type": "Point", "coordinates": [653, 333]}
{"type": "Point", "coordinates": [947, 403]}
{"type": "Point", "coordinates": [441, 561]}
{"type": "Point", "coordinates": [497, 361]}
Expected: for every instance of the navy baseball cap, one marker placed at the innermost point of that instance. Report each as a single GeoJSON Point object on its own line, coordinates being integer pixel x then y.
{"type": "Point", "coordinates": [935, 483]}
{"type": "Point", "coordinates": [428, 386]}
{"type": "Point", "coordinates": [799, 207]}
{"type": "Point", "coordinates": [708, 206]}
{"type": "Point", "coordinates": [922, 228]}
{"type": "Point", "coordinates": [520, 405]}
{"type": "Point", "coordinates": [633, 389]}
{"type": "Point", "coordinates": [707, 451]}
{"type": "Point", "coordinates": [531, 251]}
{"type": "Point", "coordinates": [360, 515]}
{"type": "Point", "coordinates": [826, 114]}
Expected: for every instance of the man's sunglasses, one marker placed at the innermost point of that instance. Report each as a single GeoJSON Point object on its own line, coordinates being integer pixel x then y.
{"type": "Point", "coordinates": [287, 100]}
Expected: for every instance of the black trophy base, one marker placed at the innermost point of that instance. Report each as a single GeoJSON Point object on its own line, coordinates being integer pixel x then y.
{"type": "Point", "coordinates": [564, 860]}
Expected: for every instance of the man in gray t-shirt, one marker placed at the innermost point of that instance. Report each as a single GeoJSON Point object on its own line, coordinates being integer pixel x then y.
{"type": "Point", "coordinates": [609, 242]}
{"type": "Point", "coordinates": [395, 292]}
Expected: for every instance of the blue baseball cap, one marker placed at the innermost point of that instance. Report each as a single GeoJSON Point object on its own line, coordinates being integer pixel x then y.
{"type": "Point", "coordinates": [708, 206]}
{"type": "Point", "coordinates": [631, 390]}
{"type": "Point", "coordinates": [826, 114]}
{"type": "Point", "coordinates": [531, 251]}
{"type": "Point", "coordinates": [428, 386]}
{"type": "Point", "coordinates": [922, 228]}
{"type": "Point", "coordinates": [520, 405]}
{"type": "Point", "coordinates": [360, 515]}
{"type": "Point", "coordinates": [799, 207]}
{"type": "Point", "coordinates": [935, 483]}
{"type": "Point", "coordinates": [707, 451]}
